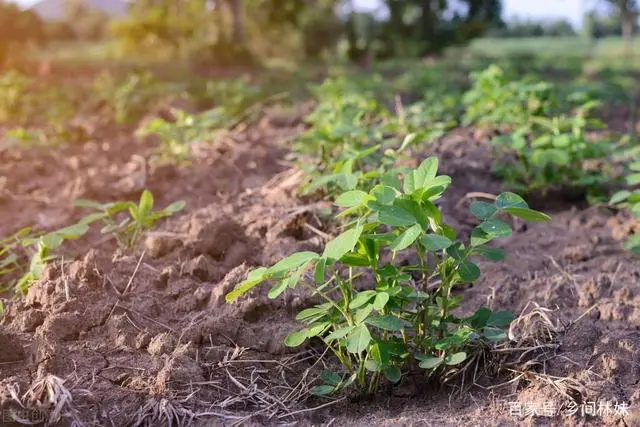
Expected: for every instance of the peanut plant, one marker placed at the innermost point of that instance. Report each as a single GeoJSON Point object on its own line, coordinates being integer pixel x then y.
{"type": "Point", "coordinates": [380, 315]}
{"type": "Point", "coordinates": [126, 101]}
{"type": "Point", "coordinates": [630, 200]}
{"type": "Point", "coordinates": [178, 136]}
{"type": "Point", "coordinates": [495, 101]}
{"type": "Point", "coordinates": [24, 255]}
{"type": "Point", "coordinates": [554, 153]}
{"type": "Point", "coordinates": [128, 221]}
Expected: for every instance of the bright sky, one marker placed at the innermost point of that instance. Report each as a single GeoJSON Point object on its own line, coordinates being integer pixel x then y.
{"type": "Point", "coordinates": [569, 9]}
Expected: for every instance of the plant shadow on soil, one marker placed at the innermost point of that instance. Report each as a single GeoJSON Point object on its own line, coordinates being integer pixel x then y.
{"type": "Point", "coordinates": [147, 338]}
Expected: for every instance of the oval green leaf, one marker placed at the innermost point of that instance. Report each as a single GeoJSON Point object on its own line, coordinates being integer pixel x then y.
{"type": "Point", "coordinates": [359, 339]}
{"type": "Point", "coordinates": [435, 242]}
{"type": "Point", "coordinates": [406, 239]}
{"type": "Point", "coordinates": [528, 214]}
{"type": "Point", "coordinates": [455, 359]}
{"type": "Point", "coordinates": [295, 339]}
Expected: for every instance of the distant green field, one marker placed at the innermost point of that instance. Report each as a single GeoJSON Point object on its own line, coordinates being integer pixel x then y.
{"type": "Point", "coordinates": [610, 52]}
{"type": "Point", "coordinates": [538, 46]}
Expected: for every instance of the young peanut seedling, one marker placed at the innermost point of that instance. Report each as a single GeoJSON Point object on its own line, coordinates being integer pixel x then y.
{"type": "Point", "coordinates": [554, 153]}
{"type": "Point", "coordinates": [405, 312]}
{"type": "Point", "coordinates": [178, 136]}
{"type": "Point", "coordinates": [128, 221]}
{"type": "Point", "coordinates": [24, 255]}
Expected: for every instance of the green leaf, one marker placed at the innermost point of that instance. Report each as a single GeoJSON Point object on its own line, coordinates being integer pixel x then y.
{"type": "Point", "coordinates": [386, 323]}
{"type": "Point", "coordinates": [345, 242]}
{"type": "Point", "coordinates": [331, 378]}
{"type": "Point", "coordinates": [355, 260]}
{"type": "Point", "coordinates": [395, 216]}
{"type": "Point", "coordinates": [295, 339]}
{"type": "Point", "coordinates": [528, 214]}
{"type": "Point", "coordinates": [52, 240]}
{"type": "Point", "coordinates": [416, 179]}
{"type": "Point", "coordinates": [633, 179]}
{"type": "Point", "coordinates": [277, 289]}
{"type": "Point", "coordinates": [500, 318]}
{"type": "Point", "coordinates": [352, 198]}
{"type": "Point", "coordinates": [254, 278]}
{"type": "Point", "coordinates": [175, 207]}
{"type": "Point", "coordinates": [479, 237]}
{"type": "Point", "coordinates": [492, 254]}
{"type": "Point", "coordinates": [431, 362]}
{"type": "Point", "coordinates": [308, 313]}
{"type": "Point", "coordinates": [317, 329]}
{"type": "Point", "coordinates": [362, 314]}
{"type": "Point", "coordinates": [620, 196]}
{"type": "Point", "coordinates": [372, 365]}
{"type": "Point", "coordinates": [381, 301]}
{"type": "Point", "coordinates": [406, 239]}
{"type": "Point", "coordinates": [74, 231]}
{"type": "Point", "coordinates": [384, 194]}
{"type": "Point", "coordinates": [494, 334]}
{"type": "Point", "coordinates": [457, 251]}
{"type": "Point", "coordinates": [480, 318]}
{"type": "Point", "coordinates": [322, 390]}
{"type": "Point", "coordinates": [289, 282]}
{"type": "Point", "coordinates": [482, 210]}
{"type": "Point", "coordinates": [468, 271]}
{"type": "Point", "coordinates": [455, 359]}
{"type": "Point", "coordinates": [496, 228]}
{"type": "Point", "coordinates": [392, 373]}
{"type": "Point", "coordinates": [427, 171]}
{"type": "Point", "coordinates": [146, 204]}
{"type": "Point", "coordinates": [347, 181]}
{"type": "Point", "coordinates": [93, 217]}
{"type": "Point", "coordinates": [319, 272]}
{"type": "Point", "coordinates": [407, 140]}
{"type": "Point", "coordinates": [361, 299]}
{"type": "Point", "coordinates": [292, 261]}
{"type": "Point", "coordinates": [510, 200]}
{"type": "Point", "coordinates": [83, 203]}
{"type": "Point", "coordinates": [358, 339]}
{"type": "Point", "coordinates": [338, 333]}
{"type": "Point", "coordinates": [435, 242]}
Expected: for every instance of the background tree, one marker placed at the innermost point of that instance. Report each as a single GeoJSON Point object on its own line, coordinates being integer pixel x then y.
{"type": "Point", "coordinates": [18, 28]}
{"type": "Point", "coordinates": [86, 23]}
{"type": "Point", "coordinates": [627, 12]}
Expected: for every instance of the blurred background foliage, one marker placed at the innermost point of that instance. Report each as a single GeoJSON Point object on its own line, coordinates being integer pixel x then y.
{"type": "Point", "coordinates": [250, 32]}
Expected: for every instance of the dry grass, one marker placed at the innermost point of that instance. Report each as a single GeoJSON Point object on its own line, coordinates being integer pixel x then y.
{"type": "Point", "coordinates": [49, 397]}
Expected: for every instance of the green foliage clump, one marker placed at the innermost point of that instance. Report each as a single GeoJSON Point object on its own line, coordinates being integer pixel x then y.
{"type": "Point", "coordinates": [495, 101]}
{"type": "Point", "coordinates": [126, 101]}
{"type": "Point", "coordinates": [26, 104]}
{"type": "Point", "coordinates": [541, 148]}
{"type": "Point", "coordinates": [14, 96]}
{"type": "Point", "coordinates": [353, 137]}
{"type": "Point", "coordinates": [555, 153]}
{"type": "Point", "coordinates": [630, 200]}
{"type": "Point", "coordinates": [25, 254]}
{"type": "Point", "coordinates": [379, 314]}
{"type": "Point", "coordinates": [177, 136]}
{"type": "Point", "coordinates": [128, 221]}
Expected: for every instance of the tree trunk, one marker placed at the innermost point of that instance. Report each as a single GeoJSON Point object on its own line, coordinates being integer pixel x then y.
{"type": "Point", "coordinates": [237, 20]}
{"type": "Point", "coordinates": [627, 31]}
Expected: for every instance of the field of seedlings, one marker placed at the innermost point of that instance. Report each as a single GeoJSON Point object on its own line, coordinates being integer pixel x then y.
{"type": "Point", "coordinates": [448, 242]}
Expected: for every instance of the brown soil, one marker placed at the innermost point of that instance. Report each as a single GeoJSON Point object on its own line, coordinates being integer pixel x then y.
{"type": "Point", "coordinates": [146, 338]}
